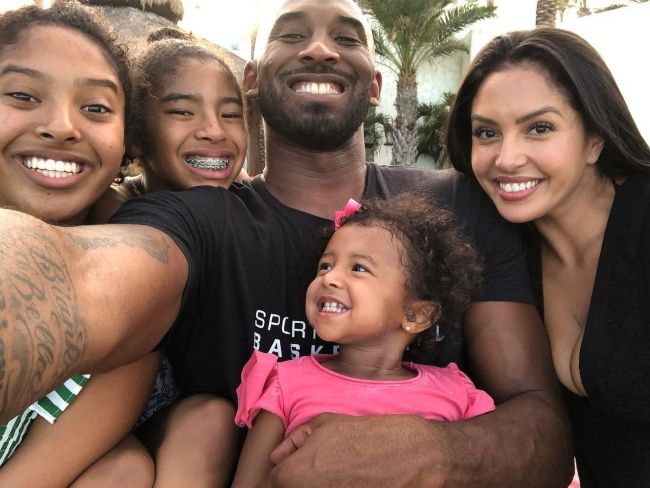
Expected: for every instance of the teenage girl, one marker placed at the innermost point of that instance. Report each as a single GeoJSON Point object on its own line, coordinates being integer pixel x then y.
{"type": "Point", "coordinates": [189, 131]}
{"type": "Point", "coordinates": [393, 276]}
{"type": "Point", "coordinates": [62, 140]}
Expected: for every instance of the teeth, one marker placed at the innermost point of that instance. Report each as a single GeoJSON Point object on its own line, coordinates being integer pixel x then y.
{"type": "Point", "coordinates": [515, 187]}
{"type": "Point", "coordinates": [52, 168]}
{"type": "Point", "coordinates": [317, 88]}
{"type": "Point", "coordinates": [333, 307]}
{"type": "Point", "coordinates": [214, 164]}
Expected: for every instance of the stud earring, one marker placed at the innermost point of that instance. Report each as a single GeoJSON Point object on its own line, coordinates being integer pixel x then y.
{"type": "Point", "coordinates": [408, 328]}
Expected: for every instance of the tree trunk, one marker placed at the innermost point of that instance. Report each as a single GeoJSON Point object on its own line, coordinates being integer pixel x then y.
{"type": "Point", "coordinates": [545, 13]}
{"type": "Point", "coordinates": [405, 136]}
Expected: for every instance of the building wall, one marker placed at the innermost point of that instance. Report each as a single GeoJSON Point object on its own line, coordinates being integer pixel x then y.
{"type": "Point", "coordinates": [620, 36]}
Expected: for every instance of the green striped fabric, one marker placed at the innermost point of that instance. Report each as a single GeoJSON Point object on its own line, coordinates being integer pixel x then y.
{"type": "Point", "coordinates": [50, 407]}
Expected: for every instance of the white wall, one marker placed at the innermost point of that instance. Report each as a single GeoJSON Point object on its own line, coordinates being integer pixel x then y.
{"type": "Point", "coordinates": [621, 36]}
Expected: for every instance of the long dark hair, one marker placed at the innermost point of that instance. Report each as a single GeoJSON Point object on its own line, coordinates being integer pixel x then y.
{"type": "Point", "coordinates": [577, 70]}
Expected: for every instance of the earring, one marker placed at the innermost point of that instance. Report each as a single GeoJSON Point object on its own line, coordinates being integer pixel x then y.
{"type": "Point", "coordinates": [408, 328]}
{"type": "Point", "coordinates": [438, 336]}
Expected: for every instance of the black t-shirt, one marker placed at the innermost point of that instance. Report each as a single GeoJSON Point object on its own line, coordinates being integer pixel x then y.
{"type": "Point", "coordinates": [251, 259]}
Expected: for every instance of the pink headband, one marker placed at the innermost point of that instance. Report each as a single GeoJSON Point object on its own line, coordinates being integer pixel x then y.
{"type": "Point", "coordinates": [351, 208]}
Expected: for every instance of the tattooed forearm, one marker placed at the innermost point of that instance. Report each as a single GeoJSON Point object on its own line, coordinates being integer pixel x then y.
{"type": "Point", "coordinates": [156, 247]}
{"type": "Point", "coordinates": [41, 335]}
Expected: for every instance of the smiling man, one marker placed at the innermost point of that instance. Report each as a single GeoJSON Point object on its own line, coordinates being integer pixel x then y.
{"type": "Point", "coordinates": [229, 270]}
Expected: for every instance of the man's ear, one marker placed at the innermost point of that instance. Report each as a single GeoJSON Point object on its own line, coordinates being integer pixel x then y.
{"type": "Point", "coordinates": [375, 89]}
{"type": "Point", "coordinates": [250, 79]}
{"type": "Point", "coordinates": [420, 315]}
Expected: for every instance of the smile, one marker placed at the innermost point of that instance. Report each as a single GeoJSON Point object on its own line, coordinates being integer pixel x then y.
{"type": "Point", "coordinates": [517, 187]}
{"type": "Point", "coordinates": [333, 307]}
{"type": "Point", "coordinates": [52, 168]}
{"type": "Point", "coordinates": [212, 164]}
{"type": "Point", "coordinates": [317, 88]}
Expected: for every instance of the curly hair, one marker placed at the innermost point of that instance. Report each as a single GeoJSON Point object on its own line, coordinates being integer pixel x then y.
{"type": "Point", "coordinates": [167, 49]}
{"type": "Point", "coordinates": [70, 14]}
{"type": "Point", "coordinates": [438, 261]}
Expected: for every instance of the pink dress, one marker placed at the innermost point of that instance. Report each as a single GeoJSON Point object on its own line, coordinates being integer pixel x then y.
{"type": "Point", "coordinates": [300, 389]}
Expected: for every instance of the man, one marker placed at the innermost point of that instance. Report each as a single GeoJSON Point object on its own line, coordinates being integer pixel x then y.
{"type": "Point", "coordinates": [231, 269]}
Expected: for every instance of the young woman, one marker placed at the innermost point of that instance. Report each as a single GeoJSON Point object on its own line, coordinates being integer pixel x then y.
{"type": "Point", "coordinates": [542, 125]}
{"type": "Point", "coordinates": [61, 143]}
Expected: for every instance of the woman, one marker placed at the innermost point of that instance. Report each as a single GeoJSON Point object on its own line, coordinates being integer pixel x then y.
{"type": "Point", "coordinates": [62, 140]}
{"type": "Point", "coordinates": [541, 124]}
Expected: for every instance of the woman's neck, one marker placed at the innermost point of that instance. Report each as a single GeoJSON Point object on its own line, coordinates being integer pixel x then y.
{"type": "Point", "coordinates": [572, 230]}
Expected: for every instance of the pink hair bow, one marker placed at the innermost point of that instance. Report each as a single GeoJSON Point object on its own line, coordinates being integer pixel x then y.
{"type": "Point", "coordinates": [351, 208]}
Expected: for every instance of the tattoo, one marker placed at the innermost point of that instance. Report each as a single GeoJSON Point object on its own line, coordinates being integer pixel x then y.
{"type": "Point", "coordinates": [155, 247]}
{"type": "Point", "coordinates": [41, 334]}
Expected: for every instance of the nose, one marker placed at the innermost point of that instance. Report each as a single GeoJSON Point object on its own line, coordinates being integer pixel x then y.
{"type": "Point", "coordinates": [512, 154]}
{"type": "Point", "coordinates": [210, 129]}
{"type": "Point", "coordinates": [59, 125]}
{"type": "Point", "coordinates": [333, 279]}
{"type": "Point", "coordinates": [320, 50]}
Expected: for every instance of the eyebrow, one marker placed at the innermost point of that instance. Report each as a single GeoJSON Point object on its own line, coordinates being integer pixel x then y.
{"type": "Point", "coordinates": [174, 96]}
{"type": "Point", "coordinates": [103, 82]}
{"type": "Point", "coordinates": [366, 257]}
{"type": "Point", "coordinates": [12, 68]}
{"type": "Point", "coordinates": [351, 21]}
{"type": "Point", "coordinates": [192, 97]}
{"type": "Point", "coordinates": [519, 120]}
{"type": "Point", "coordinates": [286, 17]}
{"type": "Point", "coordinates": [235, 100]}
{"type": "Point", "coordinates": [39, 75]}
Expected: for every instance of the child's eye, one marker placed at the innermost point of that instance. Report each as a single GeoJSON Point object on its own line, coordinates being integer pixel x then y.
{"type": "Point", "coordinates": [324, 266]}
{"type": "Point", "coordinates": [541, 128]}
{"type": "Point", "coordinates": [180, 111]}
{"type": "Point", "coordinates": [360, 268]}
{"type": "Point", "coordinates": [96, 108]}
{"type": "Point", "coordinates": [233, 115]}
{"type": "Point", "coordinates": [23, 97]}
{"type": "Point", "coordinates": [484, 133]}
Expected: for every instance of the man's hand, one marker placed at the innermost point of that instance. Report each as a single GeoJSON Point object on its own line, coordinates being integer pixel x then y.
{"type": "Point", "coordinates": [334, 450]}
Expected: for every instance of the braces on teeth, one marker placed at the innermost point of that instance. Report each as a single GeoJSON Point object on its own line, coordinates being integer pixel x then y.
{"type": "Point", "coordinates": [208, 163]}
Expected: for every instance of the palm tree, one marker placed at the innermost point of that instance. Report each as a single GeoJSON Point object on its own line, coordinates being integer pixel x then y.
{"type": "Point", "coordinates": [408, 34]}
{"type": "Point", "coordinates": [545, 13]}
{"type": "Point", "coordinates": [432, 118]}
{"type": "Point", "coordinates": [171, 10]}
{"type": "Point", "coordinates": [563, 5]}
{"type": "Point", "coordinates": [583, 9]}
{"type": "Point", "coordinates": [376, 128]}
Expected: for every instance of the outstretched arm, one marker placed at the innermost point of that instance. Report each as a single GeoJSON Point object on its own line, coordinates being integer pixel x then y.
{"type": "Point", "coordinates": [79, 300]}
{"type": "Point", "coordinates": [525, 441]}
{"type": "Point", "coordinates": [255, 459]}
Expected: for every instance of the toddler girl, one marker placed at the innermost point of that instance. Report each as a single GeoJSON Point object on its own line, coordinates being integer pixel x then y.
{"type": "Point", "coordinates": [393, 276]}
